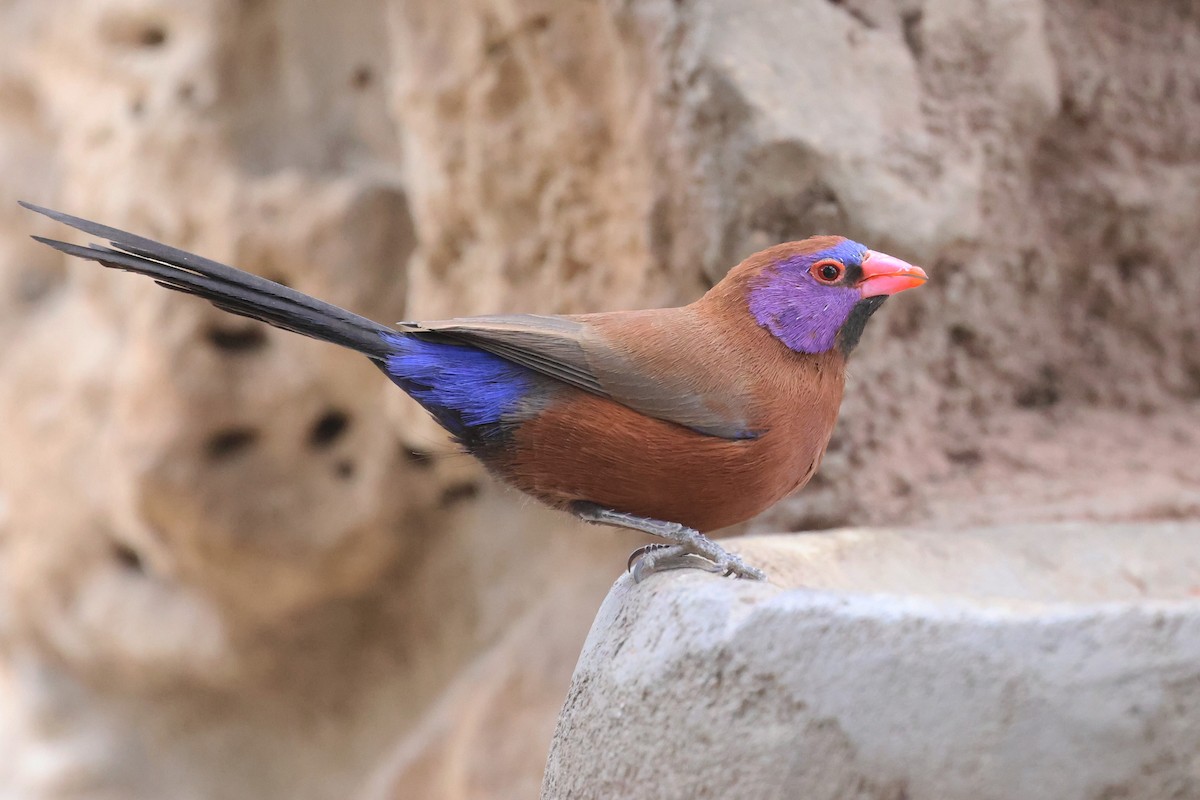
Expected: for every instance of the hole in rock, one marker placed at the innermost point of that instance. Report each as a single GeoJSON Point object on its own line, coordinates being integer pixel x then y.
{"type": "Point", "coordinates": [967, 456]}
{"type": "Point", "coordinates": [35, 285]}
{"type": "Point", "coordinates": [362, 77]}
{"type": "Point", "coordinates": [127, 557]}
{"type": "Point", "coordinates": [1043, 392]}
{"type": "Point", "coordinates": [457, 493]}
{"type": "Point", "coordinates": [230, 442]}
{"type": "Point", "coordinates": [152, 36]}
{"type": "Point", "coordinates": [237, 340]}
{"type": "Point", "coordinates": [961, 335]}
{"type": "Point", "coordinates": [326, 430]}
{"type": "Point", "coordinates": [912, 32]}
{"type": "Point", "coordinates": [1127, 266]}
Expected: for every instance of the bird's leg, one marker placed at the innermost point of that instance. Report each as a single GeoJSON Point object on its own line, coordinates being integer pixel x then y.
{"type": "Point", "coordinates": [687, 545]}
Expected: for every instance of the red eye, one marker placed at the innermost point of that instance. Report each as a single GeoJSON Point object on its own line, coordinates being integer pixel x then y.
{"type": "Point", "coordinates": [828, 271]}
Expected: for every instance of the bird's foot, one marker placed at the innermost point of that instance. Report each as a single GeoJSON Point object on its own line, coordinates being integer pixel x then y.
{"type": "Point", "coordinates": [689, 547]}
{"type": "Point", "coordinates": [652, 558]}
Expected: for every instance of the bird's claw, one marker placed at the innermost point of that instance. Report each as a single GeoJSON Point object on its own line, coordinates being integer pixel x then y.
{"type": "Point", "coordinates": [735, 567]}
{"type": "Point", "coordinates": [652, 558]}
{"type": "Point", "coordinates": [636, 555]}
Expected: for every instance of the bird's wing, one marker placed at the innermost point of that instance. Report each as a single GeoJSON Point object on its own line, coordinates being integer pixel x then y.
{"type": "Point", "coordinates": [651, 377]}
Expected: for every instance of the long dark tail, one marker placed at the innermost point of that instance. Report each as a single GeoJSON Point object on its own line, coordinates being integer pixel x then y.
{"type": "Point", "coordinates": [226, 287]}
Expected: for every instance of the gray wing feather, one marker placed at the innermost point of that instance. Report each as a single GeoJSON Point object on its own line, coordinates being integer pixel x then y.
{"type": "Point", "coordinates": [565, 349]}
{"type": "Point", "coordinates": [551, 346]}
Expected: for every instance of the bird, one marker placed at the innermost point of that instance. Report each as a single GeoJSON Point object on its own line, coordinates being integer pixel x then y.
{"type": "Point", "coordinates": [675, 422]}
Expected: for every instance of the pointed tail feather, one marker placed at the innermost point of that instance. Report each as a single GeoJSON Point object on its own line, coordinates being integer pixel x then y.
{"type": "Point", "coordinates": [225, 287]}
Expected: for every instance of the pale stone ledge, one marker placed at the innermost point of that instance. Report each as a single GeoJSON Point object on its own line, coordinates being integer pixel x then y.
{"type": "Point", "coordinates": [1038, 661]}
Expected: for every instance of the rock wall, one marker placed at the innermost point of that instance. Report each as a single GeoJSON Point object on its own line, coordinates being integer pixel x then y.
{"type": "Point", "coordinates": [233, 561]}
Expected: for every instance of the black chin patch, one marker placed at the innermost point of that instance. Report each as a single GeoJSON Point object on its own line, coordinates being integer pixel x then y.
{"type": "Point", "coordinates": [852, 328]}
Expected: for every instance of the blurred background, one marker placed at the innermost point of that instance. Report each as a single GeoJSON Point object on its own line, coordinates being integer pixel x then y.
{"type": "Point", "coordinates": [236, 563]}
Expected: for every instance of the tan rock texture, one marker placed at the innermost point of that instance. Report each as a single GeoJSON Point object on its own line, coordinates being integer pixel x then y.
{"type": "Point", "coordinates": [235, 563]}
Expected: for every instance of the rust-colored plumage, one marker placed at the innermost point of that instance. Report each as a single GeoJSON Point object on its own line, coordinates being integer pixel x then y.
{"type": "Point", "coordinates": [585, 447]}
{"type": "Point", "coordinates": [671, 421]}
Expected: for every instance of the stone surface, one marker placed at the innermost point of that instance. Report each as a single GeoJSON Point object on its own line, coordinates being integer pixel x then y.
{"type": "Point", "coordinates": [487, 735]}
{"type": "Point", "coordinates": [188, 569]}
{"type": "Point", "coordinates": [1036, 661]}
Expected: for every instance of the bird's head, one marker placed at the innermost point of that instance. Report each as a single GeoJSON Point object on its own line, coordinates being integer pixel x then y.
{"type": "Point", "coordinates": [818, 294]}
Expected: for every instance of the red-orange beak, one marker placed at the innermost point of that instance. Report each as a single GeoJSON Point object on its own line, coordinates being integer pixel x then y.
{"type": "Point", "coordinates": [883, 274]}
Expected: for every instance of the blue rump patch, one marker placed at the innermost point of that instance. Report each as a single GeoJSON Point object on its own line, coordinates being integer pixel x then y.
{"type": "Point", "coordinates": [463, 387]}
